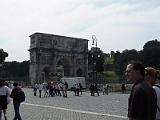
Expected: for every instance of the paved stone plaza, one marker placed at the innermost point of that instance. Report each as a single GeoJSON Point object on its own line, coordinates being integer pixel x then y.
{"type": "Point", "coordinates": [83, 107]}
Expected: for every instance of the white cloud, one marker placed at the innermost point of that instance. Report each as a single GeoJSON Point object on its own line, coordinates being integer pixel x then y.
{"type": "Point", "coordinates": [118, 25]}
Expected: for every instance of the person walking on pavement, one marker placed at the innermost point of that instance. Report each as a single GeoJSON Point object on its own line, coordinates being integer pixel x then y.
{"type": "Point", "coordinates": [77, 89]}
{"type": "Point", "coordinates": [45, 86]}
{"type": "Point", "coordinates": [80, 88]}
{"type": "Point", "coordinates": [151, 78]}
{"type": "Point", "coordinates": [50, 89]}
{"type": "Point", "coordinates": [56, 88]}
{"type": "Point", "coordinates": [16, 102]}
{"type": "Point", "coordinates": [123, 88]}
{"type": "Point", "coordinates": [35, 89]}
{"type": "Point", "coordinates": [59, 89]}
{"type": "Point", "coordinates": [104, 89]}
{"type": "Point", "coordinates": [92, 89]}
{"type": "Point", "coordinates": [96, 89]}
{"type": "Point", "coordinates": [40, 88]}
{"type": "Point", "coordinates": [65, 88]}
{"type": "Point", "coordinates": [107, 86]}
{"type": "Point", "coordinates": [142, 102]}
{"type": "Point", "coordinates": [4, 92]}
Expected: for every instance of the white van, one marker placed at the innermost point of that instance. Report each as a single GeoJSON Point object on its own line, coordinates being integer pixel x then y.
{"type": "Point", "coordinates": [74, 80]}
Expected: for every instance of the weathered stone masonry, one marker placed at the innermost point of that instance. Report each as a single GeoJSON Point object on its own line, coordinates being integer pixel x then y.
{"type": "Point", "coordinates": [47, 49]}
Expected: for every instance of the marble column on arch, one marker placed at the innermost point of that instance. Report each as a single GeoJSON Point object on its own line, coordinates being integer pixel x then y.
{"type": "Point", "coordinates": [54, 62]}
{"type": "Point", "coordinates": [74, 65]}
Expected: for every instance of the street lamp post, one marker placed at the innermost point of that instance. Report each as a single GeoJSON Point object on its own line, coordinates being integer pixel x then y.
{"type": "Point", "coordinates": [94, 42]}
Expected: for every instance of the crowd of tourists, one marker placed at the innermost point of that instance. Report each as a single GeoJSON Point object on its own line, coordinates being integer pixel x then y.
{"type": "Point", "coordinates": [53, 89]}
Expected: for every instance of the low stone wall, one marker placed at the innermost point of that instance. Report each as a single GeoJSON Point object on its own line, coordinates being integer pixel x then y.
{"type": "Point", "coordinates": [114, 87]}
{"type": "Point", "coordinates": [117, 87]}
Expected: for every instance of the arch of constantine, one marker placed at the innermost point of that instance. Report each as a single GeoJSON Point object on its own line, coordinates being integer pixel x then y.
{"type": "Point", "coordinates": [46, 50]}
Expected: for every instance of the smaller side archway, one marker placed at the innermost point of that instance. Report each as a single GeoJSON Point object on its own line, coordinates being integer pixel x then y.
{"type": "Point", "coordinates": [45, 74]}
{"type": "Point", "coordinates": [79, 72]}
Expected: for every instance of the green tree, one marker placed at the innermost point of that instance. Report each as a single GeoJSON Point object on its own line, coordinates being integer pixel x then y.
{"type": "Point", "coordinates": [152, 43]}
{"type": "Point", "coordinates": [116, 63]}
{"type": "Point", "coordinates": [3, 55]}
{"type": "Point", "coordinates": [100, 62]}
{"type": "Point", "coordinates": [121, 60]}
{"type": "Point", "coordinates": [14, 69]}
{"type": "Point", "coordinates": [150, 55]}
{"type": "Point", "coordinates": [23, 69]}
{"type": "Point", "coordinates": [96, 58]}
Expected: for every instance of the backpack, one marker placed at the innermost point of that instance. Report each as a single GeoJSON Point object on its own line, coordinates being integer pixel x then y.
{"type": "Point", "coordinates": [20, 96]}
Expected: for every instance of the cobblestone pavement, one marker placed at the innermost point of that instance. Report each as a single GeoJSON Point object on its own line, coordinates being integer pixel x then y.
{"type": "Point", "coordinates": [83, 107]}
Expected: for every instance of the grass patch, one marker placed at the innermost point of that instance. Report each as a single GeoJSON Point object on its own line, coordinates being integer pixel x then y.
{"type": "Point", "coordinates": [110, 76]}
{"type": "Point", "coordinates": [109, 60]}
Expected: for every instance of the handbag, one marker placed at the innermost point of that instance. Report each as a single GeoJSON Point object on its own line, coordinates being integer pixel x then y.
{"type": "Point", "coordinates": [8, 99]}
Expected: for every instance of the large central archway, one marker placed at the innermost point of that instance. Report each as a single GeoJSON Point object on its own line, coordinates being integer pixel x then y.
{"type": "Point", "coordinates": [66, 67]}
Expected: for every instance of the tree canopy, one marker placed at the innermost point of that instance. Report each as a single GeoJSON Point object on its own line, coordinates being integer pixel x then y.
{"type": "Point", "coordinates": [14, 69]}
{"type": "Point", "coordinates": [3, 56]}
{"type": "Point", "coordinates": [121, 59]}
{"type": "Point", "coordinates": [149, 56]}
{"type": "Point", "coordinates": [97, 59]}
{"type": "Point", "coordinates": [152, 43]}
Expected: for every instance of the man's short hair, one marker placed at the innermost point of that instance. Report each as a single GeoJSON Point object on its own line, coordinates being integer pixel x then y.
{"type": "Point", "coordinates": [137, 65]}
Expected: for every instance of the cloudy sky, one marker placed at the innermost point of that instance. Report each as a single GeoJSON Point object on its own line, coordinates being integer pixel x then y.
{"type": "Point", "coordinates": [117, 24]}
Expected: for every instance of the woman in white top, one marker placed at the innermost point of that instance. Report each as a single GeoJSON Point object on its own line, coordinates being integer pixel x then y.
{"type": "Point", "coordinates": [40, 88]}
{"type": "Point", "coordinates": [4, 92]}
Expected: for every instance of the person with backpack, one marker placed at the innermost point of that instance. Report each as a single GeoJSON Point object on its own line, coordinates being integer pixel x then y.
{"type": "Point", "coordinates": [16, 102]}
{"type": "Point", "coordinates": [151, 78]}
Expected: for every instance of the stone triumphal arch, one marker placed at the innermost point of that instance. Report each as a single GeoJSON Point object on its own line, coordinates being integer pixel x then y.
{"type": "Point", "coordinates": [46, 50]}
